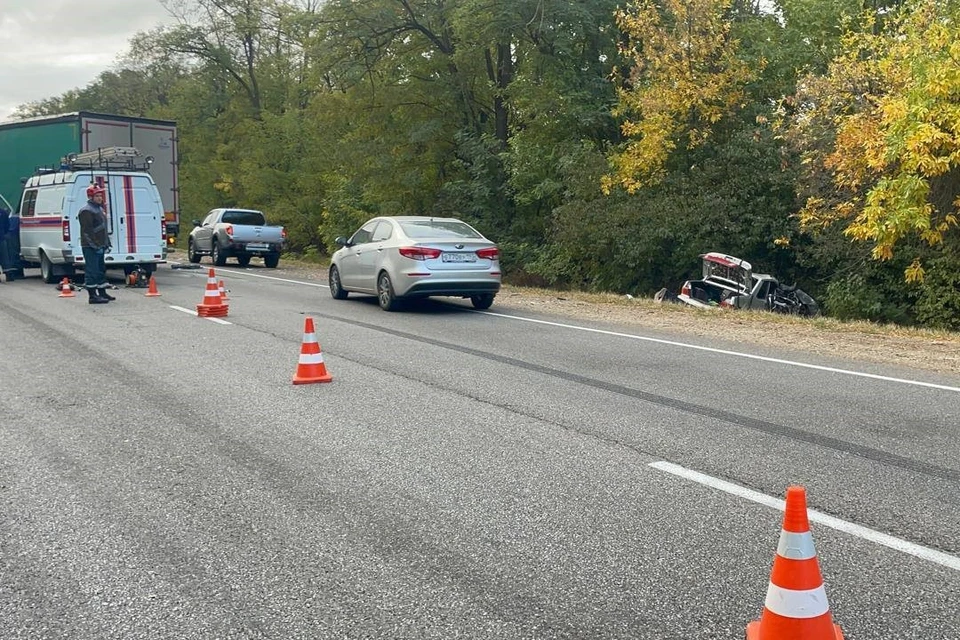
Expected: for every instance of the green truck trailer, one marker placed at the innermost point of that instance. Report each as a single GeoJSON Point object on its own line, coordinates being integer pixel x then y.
{"type": "Point", "coordinates": [26, 145]}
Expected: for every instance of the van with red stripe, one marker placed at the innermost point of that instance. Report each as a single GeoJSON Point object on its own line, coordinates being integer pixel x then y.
{"type": "Point", "coordinates": [50, 228]}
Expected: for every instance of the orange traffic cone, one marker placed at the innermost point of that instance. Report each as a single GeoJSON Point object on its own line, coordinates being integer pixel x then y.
{"type": "Point", "coordinates": [796, 607]}
{"type": "Point", "coordinates": [212, 306]}
{"type": "Point", "coordinates": [66, 291]}
{"type": "Point", "coordinates": [310, 368]}
{"type": "Point", "coordinates": [223, 292]}
{"type": "Point", "coordinates": [152, 289]}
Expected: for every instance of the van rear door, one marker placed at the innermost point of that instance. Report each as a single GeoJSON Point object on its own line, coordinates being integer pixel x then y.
{"type": "Point", "coordinates": [136, 219]}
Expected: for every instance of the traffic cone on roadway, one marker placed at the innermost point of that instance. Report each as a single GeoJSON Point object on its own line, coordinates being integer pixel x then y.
{"type": "Point", "coordinates": [212, 306]}
{"type": "Point", "coordinates": [310, 368]}
{"type": "Point", "coordinates": [152, 289]}
{"type": "Point", "coordinates": [796, 607]}
{"type": "Point", "coordinates": [223, 292]}
{"type": "Point", "coordinates": [66, 291]}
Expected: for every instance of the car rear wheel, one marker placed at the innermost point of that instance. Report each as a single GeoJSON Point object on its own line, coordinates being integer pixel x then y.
{"type": "Point", "coordinates": [243, 260]}
{"type": "Point", "coordinates": [271, 261]}
{"type": "Point", "coordinates": [219, 257]}
{"type": "Point", "coordinates": [336, 287]}
{"type": "Point", "coordinates": [482, 300]}
{"type": "Point", "coordinates": [385, 295]}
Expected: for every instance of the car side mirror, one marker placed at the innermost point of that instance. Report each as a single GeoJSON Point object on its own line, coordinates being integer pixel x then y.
{"type": "Point", "coordinates": [342, 241]}
{"type": "Point", "coordinates": [196, 223]}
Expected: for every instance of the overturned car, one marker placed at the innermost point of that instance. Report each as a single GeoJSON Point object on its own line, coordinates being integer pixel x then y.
{"type": "Point", "coordinates": [729, 282]}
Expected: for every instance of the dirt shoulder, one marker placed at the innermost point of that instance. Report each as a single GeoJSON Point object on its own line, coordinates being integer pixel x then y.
{"type": "Point", "coordinates": [936, 351]}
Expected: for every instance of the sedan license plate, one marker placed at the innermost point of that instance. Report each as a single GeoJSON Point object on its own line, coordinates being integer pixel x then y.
{"type": "Point", "coordinates": [458, 257]}
{"type": "Point", "coordinates": [256, 246]}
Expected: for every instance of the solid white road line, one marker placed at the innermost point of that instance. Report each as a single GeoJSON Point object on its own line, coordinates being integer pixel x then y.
{"type": "Point", "coordinates": [870, 535]}
{"type": "Point", "coordinates": [673, 343]}
{"type": "Point", "coordinates": [728, 353]}
{"type": "Point", "coordinates": [193, 313]}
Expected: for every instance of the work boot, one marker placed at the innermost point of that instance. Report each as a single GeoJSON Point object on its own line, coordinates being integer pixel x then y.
{"type": "Point", "coordinates": [95, 298]}
{"type": "Point", "coordinates": [103, 294]}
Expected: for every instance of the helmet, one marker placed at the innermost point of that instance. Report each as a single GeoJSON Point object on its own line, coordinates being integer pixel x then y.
{"type": "Point", "coordinates": [95, 190]}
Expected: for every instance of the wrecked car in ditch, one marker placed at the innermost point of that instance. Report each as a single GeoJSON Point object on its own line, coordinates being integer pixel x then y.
{"type": "Point", "coordinates": [728, 282]}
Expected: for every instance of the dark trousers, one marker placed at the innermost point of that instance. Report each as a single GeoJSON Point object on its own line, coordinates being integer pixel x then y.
{"type": "Point", "coordinates": [94, 269]}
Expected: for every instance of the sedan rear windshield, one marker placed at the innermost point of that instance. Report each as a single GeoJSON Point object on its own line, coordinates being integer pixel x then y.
{"type": "Point", "coordinates": [254, 218]}
{"type": "Point", "coordinates": [438, 229]}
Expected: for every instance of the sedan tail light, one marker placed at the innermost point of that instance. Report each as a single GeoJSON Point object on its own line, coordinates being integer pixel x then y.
{"type": "Point", "coordinates": [685, 289]}
{"type": "Point", "coordinates": [490, 253]}
{"type": "Point", "coordinates": [419, 253]}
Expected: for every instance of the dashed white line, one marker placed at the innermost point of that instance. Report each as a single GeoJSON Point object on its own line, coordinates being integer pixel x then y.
{"type": "Point", "coordinates": [193, 313]}
{"type": "Point", "coordinates": [870, 535]}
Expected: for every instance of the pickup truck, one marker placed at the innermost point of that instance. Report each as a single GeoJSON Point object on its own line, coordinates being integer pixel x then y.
{"type": "Point", "coordinates": [236, 233]}
{"type": "Point", "coordinates": [729, 282]}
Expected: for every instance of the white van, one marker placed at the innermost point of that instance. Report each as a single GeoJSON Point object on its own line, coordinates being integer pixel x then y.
{"type": "Point", "coordinates": [50, 229]}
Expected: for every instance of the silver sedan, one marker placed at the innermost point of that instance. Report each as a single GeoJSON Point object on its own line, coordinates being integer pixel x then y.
{"type": "Point", "coordinates": [402, 257]}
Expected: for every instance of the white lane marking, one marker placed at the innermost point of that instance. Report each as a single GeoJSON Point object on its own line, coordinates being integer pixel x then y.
{"type": "Point", "coordinates": [673, 343]}
{"type": "Point", "coordinates": [870, 535]}
{"type": "Point", "coordinates": [193, 313]}
{"type": "Point", "coordinates": [728, 353]}
{"type": "Point", "coordinates": [257, 275]}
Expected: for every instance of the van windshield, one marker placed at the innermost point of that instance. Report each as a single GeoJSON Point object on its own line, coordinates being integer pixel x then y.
{"type": "Point", "coordinates": [254, 218]}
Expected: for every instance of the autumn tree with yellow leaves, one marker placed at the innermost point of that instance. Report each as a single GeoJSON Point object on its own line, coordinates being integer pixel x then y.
{"type": "Point", "coordinates": [685, 78]}
{"type": "Point", "coordinates": [889, 108]}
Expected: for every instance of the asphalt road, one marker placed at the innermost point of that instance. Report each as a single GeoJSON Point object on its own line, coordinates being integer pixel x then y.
{"type": "Point", "coordinates": [465, 475]}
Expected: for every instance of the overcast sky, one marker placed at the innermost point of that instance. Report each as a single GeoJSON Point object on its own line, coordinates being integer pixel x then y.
{"type": "Point", "coordinates": [48, 47]}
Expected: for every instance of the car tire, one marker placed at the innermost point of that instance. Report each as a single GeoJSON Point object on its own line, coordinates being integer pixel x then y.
{"type": "Point", "coordinates": [243, 261]}
{"type": "Point", "coordinates": [192, 254]}
{"type": "Point", "coordinates": [46, 269]}
{"type": "Point", "coordinates": [482, 301]}
{"type": "Point", "coordinates": [336, 287]}
{"type": "Point", "coordinates": [385, 295]}
{"type": "Point", "coordinates": [271, 261]}
{"type": "Point", "coordinates": [219, 257]}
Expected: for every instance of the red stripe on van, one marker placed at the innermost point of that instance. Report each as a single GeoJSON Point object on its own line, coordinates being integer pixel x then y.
{"type": "Point", "coordinates": [130, 217]}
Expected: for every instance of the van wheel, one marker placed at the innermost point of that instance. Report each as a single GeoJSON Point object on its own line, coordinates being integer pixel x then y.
{"type": "Point", "coordinates": [216, 253]}
{"type": "Point", "coordinates": [192, 255]}
{"type": "Point", "coordinates": [46, 269]}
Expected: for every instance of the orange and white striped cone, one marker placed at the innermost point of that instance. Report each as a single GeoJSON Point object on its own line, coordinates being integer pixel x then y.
{"type": "Point", "coordinates": [796, 607]}
{"type": "Point", "coordinates": [66, 291]}
{"type": "Point", "coordinates": [310, 368]}
{"type": "Point", "coordinates": [223, 291]}
{"type": "Point", "coordinates": [212, 306]}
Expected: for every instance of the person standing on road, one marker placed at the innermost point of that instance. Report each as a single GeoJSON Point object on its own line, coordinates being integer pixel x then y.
{"type": "Point", "coordinates": [95, 242]}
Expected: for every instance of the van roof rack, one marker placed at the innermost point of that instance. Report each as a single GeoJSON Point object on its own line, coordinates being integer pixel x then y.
{"type": "Point", "coordinates": [120, 158]}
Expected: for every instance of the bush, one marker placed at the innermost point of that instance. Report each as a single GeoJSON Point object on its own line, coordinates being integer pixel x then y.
{"type": "Point", "coordinates": [855, 297]}
{"type": "Point", "coordinates": [938, 302]}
